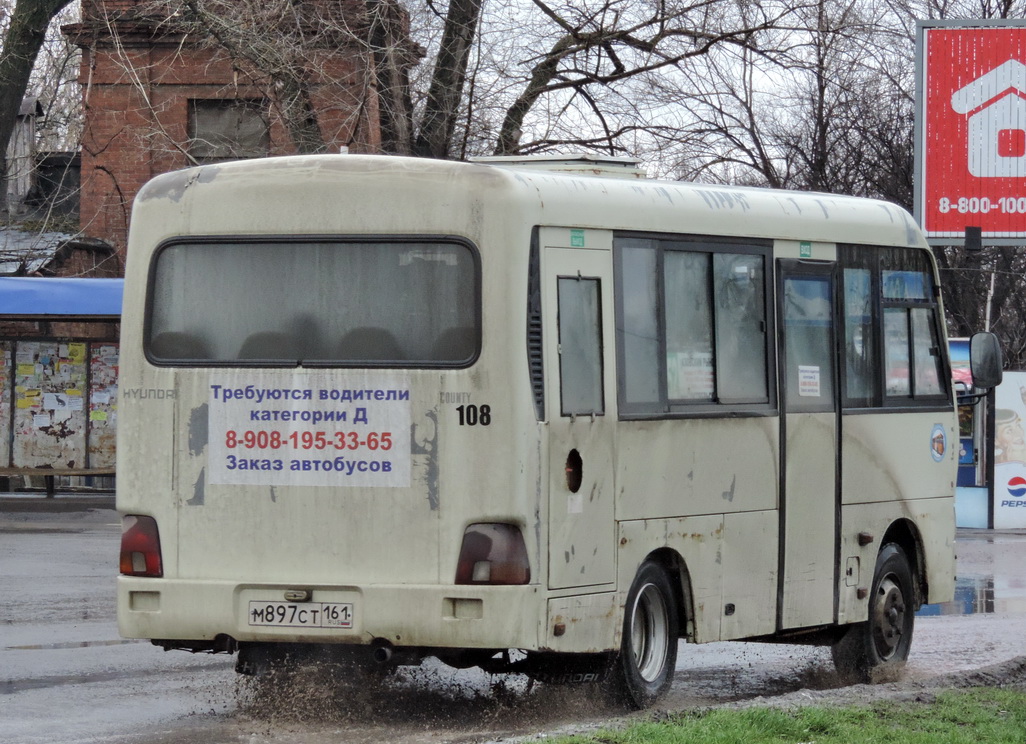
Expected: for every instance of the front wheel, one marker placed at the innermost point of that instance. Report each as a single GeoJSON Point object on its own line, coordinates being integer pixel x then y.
{"type": "Point", "coordinates": [643, 668]}
{"type": "Point", "coordinates": [882, 643]}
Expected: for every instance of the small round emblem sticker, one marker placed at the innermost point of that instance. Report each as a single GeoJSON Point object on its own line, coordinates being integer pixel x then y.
{"type": "Point", "coordinates": [938, 442]}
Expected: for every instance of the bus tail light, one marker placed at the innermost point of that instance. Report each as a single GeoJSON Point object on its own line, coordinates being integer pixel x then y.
{"type": "Point", "coordinates": [140, 547]}
{"type": "Point", "coordinates": [493, 553]}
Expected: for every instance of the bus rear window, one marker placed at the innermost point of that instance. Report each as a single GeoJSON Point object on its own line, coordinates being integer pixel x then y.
{"type": "Point", "coordinates": [326, 303]}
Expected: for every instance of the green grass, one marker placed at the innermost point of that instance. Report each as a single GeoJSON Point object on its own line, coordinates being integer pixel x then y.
{"type": "Point", "coordinates": [977, 716]}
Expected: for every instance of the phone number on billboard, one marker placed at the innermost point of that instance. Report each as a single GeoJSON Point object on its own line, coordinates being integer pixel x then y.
{"type": "Point", "coordinates": [317, 440]}
{"type": "Point", "coordinates": [982, 205]}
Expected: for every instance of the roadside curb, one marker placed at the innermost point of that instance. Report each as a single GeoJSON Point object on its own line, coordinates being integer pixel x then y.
{"type": "Point", "coordinates": [970, 533]}
{"type": "Point", "coordinates": [63, 502]}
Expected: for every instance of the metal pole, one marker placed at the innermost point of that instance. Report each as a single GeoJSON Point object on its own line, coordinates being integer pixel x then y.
{"type": "Point", "coordinates": [990, 297]}
{"type": "Point", "coordinates": [991, 427]}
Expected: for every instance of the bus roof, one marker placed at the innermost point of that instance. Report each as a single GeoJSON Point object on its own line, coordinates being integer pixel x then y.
{"type": "Point", "coordinates": [433, 194]}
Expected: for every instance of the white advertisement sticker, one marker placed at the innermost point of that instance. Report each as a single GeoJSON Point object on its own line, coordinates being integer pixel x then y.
{"type": "Point", "coordinates": [808, 381]}
{"type": "Point", "coordinates": [309, 429]}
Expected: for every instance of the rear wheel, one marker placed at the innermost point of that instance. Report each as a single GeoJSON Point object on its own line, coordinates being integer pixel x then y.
{"type": "Point", "coordinates": [882, 643]}
{"type": "Point", "coordinates": [643, 668]}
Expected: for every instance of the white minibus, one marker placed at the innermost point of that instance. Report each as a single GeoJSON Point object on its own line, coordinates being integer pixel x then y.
{"type": "Point", "coordinates": [390, 408]}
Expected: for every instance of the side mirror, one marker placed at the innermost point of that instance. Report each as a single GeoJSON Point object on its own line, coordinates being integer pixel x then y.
{"type": "Point", "coordinates": [985, 360]}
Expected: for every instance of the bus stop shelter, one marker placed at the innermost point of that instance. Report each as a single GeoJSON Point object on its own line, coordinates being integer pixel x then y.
{"type": "Point", "coordinates": [59, 376]}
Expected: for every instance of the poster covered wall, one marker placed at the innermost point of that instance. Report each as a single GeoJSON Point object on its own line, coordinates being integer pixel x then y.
{"type": "Point", "coordinates": [58, 405]}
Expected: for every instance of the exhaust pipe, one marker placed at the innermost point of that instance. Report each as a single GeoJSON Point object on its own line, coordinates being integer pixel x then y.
{"type": "Point", "coordinates": [382, 651]}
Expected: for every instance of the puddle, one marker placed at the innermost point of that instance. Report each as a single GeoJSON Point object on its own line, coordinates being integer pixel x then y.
{"type": "Point", "coordinates": [12, 686]}
{"type": "Point", "coordinates": [976, 595]}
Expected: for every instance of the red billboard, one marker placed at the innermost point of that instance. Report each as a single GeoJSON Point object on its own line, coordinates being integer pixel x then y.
{"type": "Point", "coordinates": [971, 131]}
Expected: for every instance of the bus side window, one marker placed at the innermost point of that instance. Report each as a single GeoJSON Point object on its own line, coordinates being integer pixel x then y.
{"type": "Point", "coordinates": [809, 330]}
{"type": "Point", "coordinates": [860, 351]}
{"type": "Point", "coordinates": [580, 346]}
{"type": "Point", "coordinates": [638, 327]}
{"type": "Point", "coordinates": [739, 287]}
{"type": "Point", "coordinates": [692, 324]}
{"type": "Point", "coordinates": [912, 355]}
{"type": "Point", "coordinates": [897, 365]}
{"type": "Point", "coordinates": [915, 373]}
{"type": "Point", "coordinates": [687, 297]}
{"type": "Point", "coordinates": [926, 352]}
{"type": "Point", "coordinates": [891, 328]}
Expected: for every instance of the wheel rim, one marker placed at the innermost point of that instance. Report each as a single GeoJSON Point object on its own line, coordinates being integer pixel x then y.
{"type": "Point", "coordinates": [649, 631]}
{"type": "Point", "coordinates": [888, 617]}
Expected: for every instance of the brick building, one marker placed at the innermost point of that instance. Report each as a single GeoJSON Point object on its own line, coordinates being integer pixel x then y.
{"type": "Point", "coordinates": [160, 94]}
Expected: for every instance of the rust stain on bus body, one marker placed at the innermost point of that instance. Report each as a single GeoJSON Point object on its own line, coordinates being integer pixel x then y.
{"type": "Point", "coordinates": [198, 435]}
{"type": "Point", "coordinates": [173, 185]}
{"type": "Point", "coordinates": [199, 489]}
{"type": "Point", "coordinates": [728, 495]}
{"type": "Point", "coordinates": [429, 448]}
{"type": "Point", "coordinates": [198, 430]}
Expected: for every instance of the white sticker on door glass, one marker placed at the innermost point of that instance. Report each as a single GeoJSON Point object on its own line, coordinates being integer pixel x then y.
{"type": "Point", "coordinates": [808, 381]}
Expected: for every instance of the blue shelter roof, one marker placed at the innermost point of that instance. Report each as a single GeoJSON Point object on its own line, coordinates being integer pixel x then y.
{"type": "Point", "coordinates": [37, 297]}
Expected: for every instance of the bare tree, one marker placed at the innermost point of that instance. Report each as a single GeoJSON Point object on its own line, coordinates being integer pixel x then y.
{"type": "Point", "coordinates": [444, 97]}
{"type": "Point", "coordinates": [24, 37]}
{"type": "Point", "coordinates": [567, 74]}
{"type": "Point", "coordinates": [819, 115]}
{"type": "Point", "coordinates": [603, 58]}
{"type": "Point", "coordinates": [395, 55]}
{"type": "Point", "coordinates": [985, 290]}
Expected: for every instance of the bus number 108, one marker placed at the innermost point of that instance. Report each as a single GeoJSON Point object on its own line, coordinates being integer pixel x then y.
{"type": "Point", "coordinates": [472, 415]}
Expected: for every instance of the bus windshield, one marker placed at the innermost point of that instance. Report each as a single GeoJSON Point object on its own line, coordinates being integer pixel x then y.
{"type": "Point", "coordinates": [332, 302]}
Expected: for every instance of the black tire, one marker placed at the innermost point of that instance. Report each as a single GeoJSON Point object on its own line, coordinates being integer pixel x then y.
{"type": "Point", "coordinates": [643, 668]}
{"type": "Point", "coordinates": [879, 647]}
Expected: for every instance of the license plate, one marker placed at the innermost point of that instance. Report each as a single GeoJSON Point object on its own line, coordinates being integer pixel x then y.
{"type": "Point", "coordinates": [301, 614]}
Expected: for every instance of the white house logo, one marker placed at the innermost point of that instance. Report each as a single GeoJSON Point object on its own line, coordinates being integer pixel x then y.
{"type": "Point", "coordinates": [996, 105]}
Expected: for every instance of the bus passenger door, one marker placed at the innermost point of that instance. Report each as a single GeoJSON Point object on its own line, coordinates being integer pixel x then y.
{"type": "Point", "coordinates": [577, 305]}
{"type": "Point", "coordinates": [809, 441]}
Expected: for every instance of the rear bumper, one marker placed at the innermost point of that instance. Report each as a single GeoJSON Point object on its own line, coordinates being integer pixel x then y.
{"type": "Point", "coordinates": [404, 615]}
